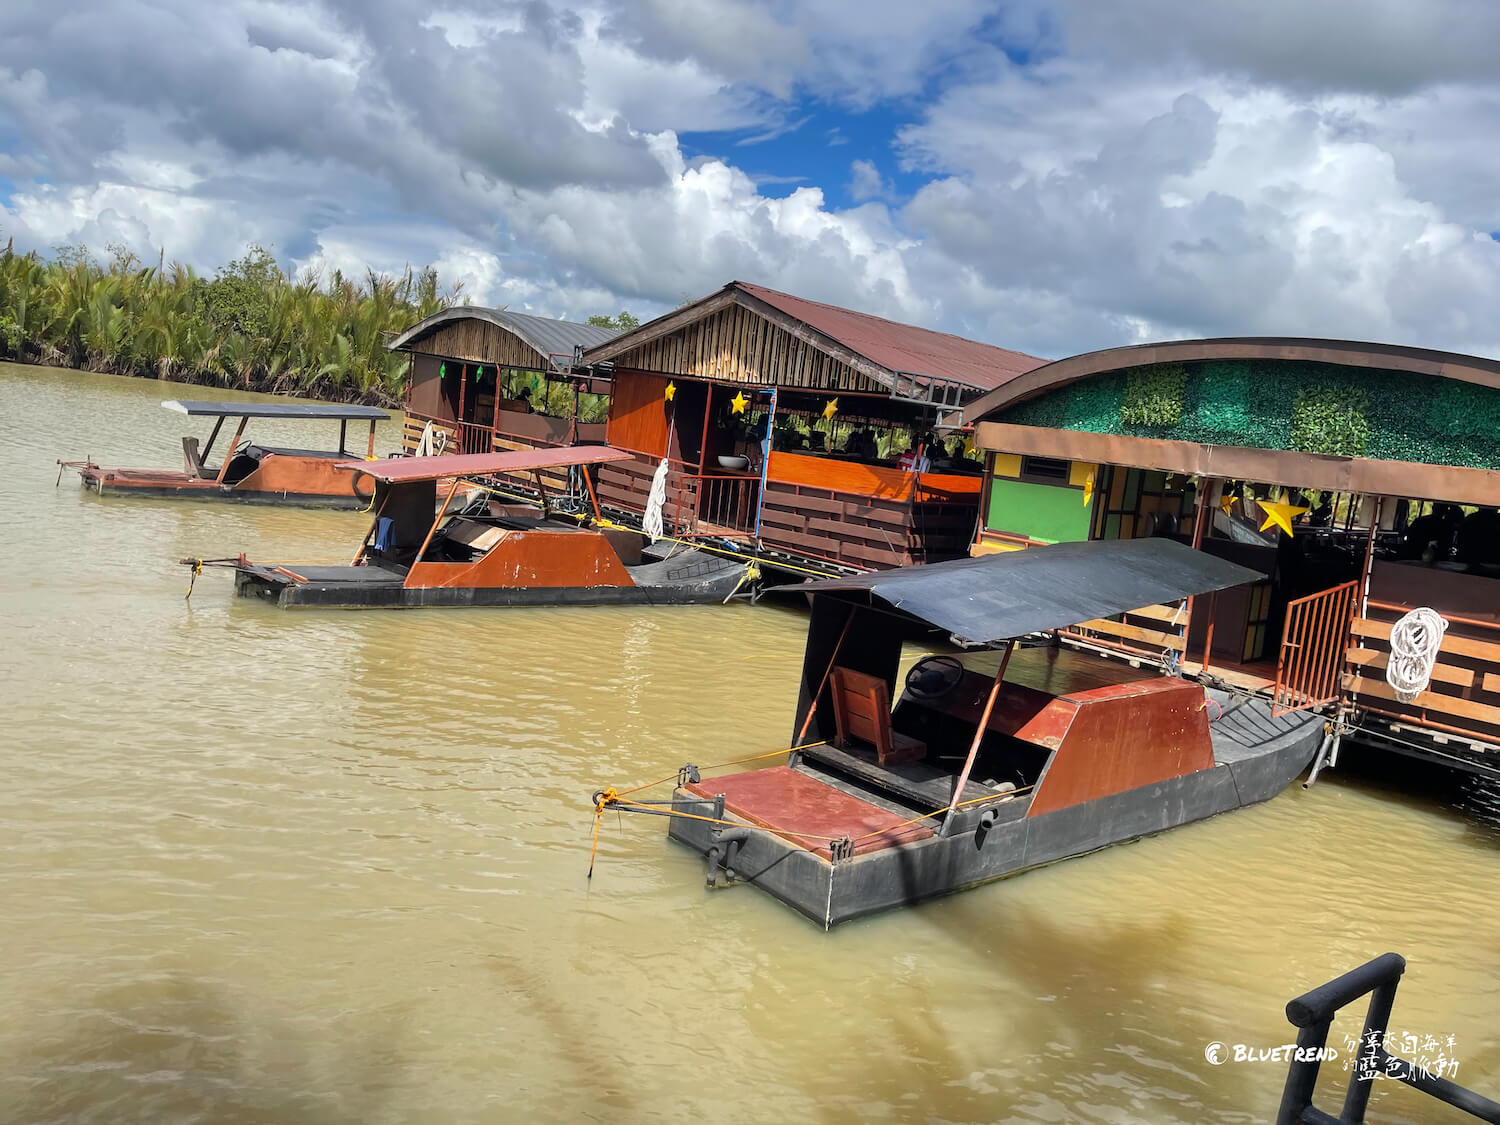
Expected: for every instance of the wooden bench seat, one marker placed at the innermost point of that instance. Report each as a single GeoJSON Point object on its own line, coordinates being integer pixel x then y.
{"type": "Point", "coordinates": [862, 712]}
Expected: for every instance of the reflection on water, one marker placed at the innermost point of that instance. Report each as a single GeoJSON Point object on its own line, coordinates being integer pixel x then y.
{"type": "Point", "coordinates": [328, 866]}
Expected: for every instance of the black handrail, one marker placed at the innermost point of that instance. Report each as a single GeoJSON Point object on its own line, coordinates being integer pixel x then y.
{"type": "Point", "coordinates": [1313, 1013]}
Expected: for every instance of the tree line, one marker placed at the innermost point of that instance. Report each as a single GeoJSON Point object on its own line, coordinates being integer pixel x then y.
{"type": "Point", "coordinates": [250, 326]}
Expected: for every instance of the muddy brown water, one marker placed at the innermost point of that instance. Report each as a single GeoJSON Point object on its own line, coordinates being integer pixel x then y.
{"type": "Point", "coordinates": [329, 866]}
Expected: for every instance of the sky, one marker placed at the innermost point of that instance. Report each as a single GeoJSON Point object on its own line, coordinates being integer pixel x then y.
{"type": "Point", "coordinates": [1052, 176]}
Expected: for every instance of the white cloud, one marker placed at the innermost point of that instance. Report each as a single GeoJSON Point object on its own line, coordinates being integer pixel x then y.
{"type": "Point", "coordinates": [1155, 169]}
{"type": "Point", "coordinates": [865, 181]}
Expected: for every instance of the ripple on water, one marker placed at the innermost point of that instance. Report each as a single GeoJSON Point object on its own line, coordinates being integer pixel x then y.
{"type": "Point", "coordinates": [271, 866]}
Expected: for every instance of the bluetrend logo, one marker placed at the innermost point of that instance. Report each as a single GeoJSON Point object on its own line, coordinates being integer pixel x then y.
{"type": "Point", "coordinates": [1218, 1053]}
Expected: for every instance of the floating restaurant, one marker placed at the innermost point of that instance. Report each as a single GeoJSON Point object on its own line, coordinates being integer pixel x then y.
{"type": "Point", "coordinates": [1361, 479]}
{"type": "Point", "coordinates": [800, 431]}
{"type": "Point", "coordinates": [482, 380]}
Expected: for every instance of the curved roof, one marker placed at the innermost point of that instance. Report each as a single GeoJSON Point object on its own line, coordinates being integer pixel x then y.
{"type": "Point", "coordinates": [1348, 353]}
{"type": "Point", "coordinates": [882, 349]}
{"type": "Point", "coordinates": [548, 337]}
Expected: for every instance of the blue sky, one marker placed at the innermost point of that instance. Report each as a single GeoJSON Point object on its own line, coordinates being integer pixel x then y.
{"type": "Point", "coordinates": [1048, 175]}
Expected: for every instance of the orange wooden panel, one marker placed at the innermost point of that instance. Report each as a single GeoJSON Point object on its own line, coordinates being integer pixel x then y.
{"type": "Point", "coordinates": [639, 413]}
{"type": "Point", "coordinates": [1119, 738]}
{"type": "Point", "coordinates": [867, 480]}
{"type": "Point", "coordinates": [307, 476]}
{"type": "Point", "coordinates": [547, 559]}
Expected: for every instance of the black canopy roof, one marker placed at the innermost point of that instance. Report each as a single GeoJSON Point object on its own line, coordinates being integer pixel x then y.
{"type": "Point", "coordinates": [340, 410]}
{"type": "Point", "coordinates": [1002, 596]}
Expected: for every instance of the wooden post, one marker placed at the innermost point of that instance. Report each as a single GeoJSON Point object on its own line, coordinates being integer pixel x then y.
{"type": "Point", "coordinates": [984, 722]}
{"type": "Point", "coordinates": [823, 683]}
{"type": "Point", "coordinates": [1364, 577]}
{"type": "Point", "coordinates": [343, 435]}
{"type": "Point", "coordinates": [212, 435]}
{"type": "Point", "coordinates": [463, 392]}
{"type": "Point", "coordinates": [374, 523]}
{"type": "Point", "coordinates": [233, 445]}
{"type": "Point", "coordinates": [1208, 498]}
{"type": "Point", "coordinates": [708, 404]}
{"type": "Point", "coordinates": [370, 449]}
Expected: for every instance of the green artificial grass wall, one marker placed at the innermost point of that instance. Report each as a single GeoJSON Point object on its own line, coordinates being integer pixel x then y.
{"type": "Point", "coordinates": [1284, 404]}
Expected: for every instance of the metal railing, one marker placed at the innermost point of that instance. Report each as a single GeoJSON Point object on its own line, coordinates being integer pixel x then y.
{"type": "Point", "coordinates": [472, 437]}
{"type": "Point", "coordinates": [1313, 1014]}
{"type": "Point", "coordinates": [726, 502]}
{"type": "Point", "coordinates": [1310, 663]}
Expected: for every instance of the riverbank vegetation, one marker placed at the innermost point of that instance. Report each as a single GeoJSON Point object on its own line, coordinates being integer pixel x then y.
{"type": "Point", "coordinates": [250, 326]}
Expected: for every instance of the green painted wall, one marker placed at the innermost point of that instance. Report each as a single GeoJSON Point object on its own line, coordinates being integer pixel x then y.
{"type": "Point", "coordinates": [1390, 415]}
{"type": "Point", "coordinates": [1039, 511]}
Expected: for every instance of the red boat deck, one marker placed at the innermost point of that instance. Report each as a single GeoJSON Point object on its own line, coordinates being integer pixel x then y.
{"type": "Point", "coordinates": [785, 802]}
{"type": "Point", "coordinates": [148, 478]}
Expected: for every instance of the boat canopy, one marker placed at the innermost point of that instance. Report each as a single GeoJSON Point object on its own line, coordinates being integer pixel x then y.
{"type": "Point", "coordinates": [394, 470]}
{"type": "Point", "coordinates": [337, 410]}
{"type": "Point", "coordinates": [999, 597]}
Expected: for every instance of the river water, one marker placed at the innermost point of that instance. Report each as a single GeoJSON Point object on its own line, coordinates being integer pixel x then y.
{"type": "Point", "coordinates": [329, 866]}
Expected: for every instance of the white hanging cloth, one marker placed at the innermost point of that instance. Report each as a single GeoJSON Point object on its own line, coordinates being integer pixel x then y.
{"type": "Point", "coordinates": [656, 501]}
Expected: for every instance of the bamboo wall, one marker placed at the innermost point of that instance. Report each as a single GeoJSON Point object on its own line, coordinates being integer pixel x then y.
{"type": "Point", "coordinates": [739, 346]}
{"type": "Point", "coordinates": [481, 342]}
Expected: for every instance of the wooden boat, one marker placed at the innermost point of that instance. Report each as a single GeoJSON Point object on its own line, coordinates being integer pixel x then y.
{"type": "Point", "coordinates": [991, 762]}
{"type": "Point", "coordinates": [260, 474]}
{"type": "Point", "coordinates": [490, 552]}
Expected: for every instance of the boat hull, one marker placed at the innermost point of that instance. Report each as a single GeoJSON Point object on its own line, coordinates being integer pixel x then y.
{"type": "Point", "coordinates": [830, 892]}
{"type": "Point", "coordinates": [179, 486]}
{"type": "Point", "coordinates": [366, 587]}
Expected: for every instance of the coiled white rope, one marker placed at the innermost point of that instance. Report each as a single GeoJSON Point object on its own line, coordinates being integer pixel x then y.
{"type": "Point", "coordinates": [655, 502]}
{"type": "Point", "coordinates": [1415, 640]}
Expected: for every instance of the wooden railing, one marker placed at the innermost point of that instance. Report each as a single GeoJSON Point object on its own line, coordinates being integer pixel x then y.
{"type": "Point", "coordinates": [1155, 630]}
{"type": "Point", "coordinates": [413, 425]}
{"type": "Point", "coordinates": [1312, 649]}
{"type": "Point", "coordinates": [1463, 697]}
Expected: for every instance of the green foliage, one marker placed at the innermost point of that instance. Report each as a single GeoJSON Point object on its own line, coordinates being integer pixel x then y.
{"type": "Point", "coordinates": [1286, 404]}
{"type": "Point", "coordinates": [1153, 395]}
{"type": "Point", "coordinates": [250, 327]}
{"type": "Point", "coordinates": [624, 322]}
{"type": "Point", "coordinates": [1330, 420]}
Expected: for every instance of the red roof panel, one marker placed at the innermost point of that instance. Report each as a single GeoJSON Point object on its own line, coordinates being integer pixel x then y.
{"type": "Point", "coordinates": [903, 347]}
{"type": "Point", "coordinates": [396, 469]}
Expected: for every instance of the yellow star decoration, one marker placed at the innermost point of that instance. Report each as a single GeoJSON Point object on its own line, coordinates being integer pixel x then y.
{"type": "Point", "coordinates": [831, 409]}
{"type": "Point", "coordinates": [1280, 514]}
{"type": "Point", "coordinates": [1088, 490]}
{"type": "Point", "coordinates": [1227, 501]}
{"type": "Point", "coordinates": [671, 391]}
{"type": "Point", "coordinates": [738, 403]}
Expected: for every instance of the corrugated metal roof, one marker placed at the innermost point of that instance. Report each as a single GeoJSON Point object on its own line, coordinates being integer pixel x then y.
{"type": "Point", "coordinates": [903, 347]}
{"type": "Point", "coordinates": [552, 338]}
{"type": "Point", "coordinates": [998, 597]}
{"type": "Point", "coordinates": [483, 464]}
{"type": "Point", "coordinates": [341, 410]}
